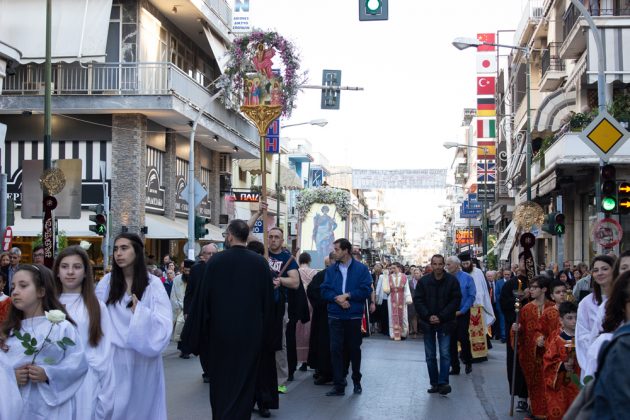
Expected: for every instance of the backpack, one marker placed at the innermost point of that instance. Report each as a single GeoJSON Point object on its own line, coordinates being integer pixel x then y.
{"type": "Point", "coordinates": [582, 406]}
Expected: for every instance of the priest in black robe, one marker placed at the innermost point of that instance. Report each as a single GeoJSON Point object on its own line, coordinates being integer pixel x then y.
{"type": "Point", "coordinates": [236, 304]}
{"type": "Point", "coordinates": [319, 342]}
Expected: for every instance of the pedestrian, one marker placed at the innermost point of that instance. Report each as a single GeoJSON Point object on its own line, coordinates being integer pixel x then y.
{"type": "Point", "coordinates": [38, 254]}
{"type": "Point", "coordinates": [411, 309]}
{"type": "Point", "coordinates": [47, 390]}
{"type": "Point", "coordinates": [190, 343]}
{"type": "Point", "coordinates": [460, 334]}
{"type": "Point", "coordinates": [394, 289]}
{"type": "Point", "coordinates": [588, 318]}
{"type": "Point", "coordinates": [499, 284]}
{"type": "Point", "coordinates": [166, 280]}
{"type": "Point", "coordinates": [297, 313]}
{"type": "Point", "coordinates": [559, 364]}
{"type": "Point", "coordinates": [142, 322]}
{"type": "Point", "coordinates": [303, 330]}
{"type": "Point", "coordinates": [5, 301]}
{"type": "Point", "coordinates": [319, 343]}
{"type": "Point", "coordinates": [549, 323]}
{"type": "Point", "coordinates": [382, 311]}
{"type": "Point", "coordinates": [236, 303]}
{"type": "Point", "coordinates": [531, 344]}
{"type": "Point", "coordinates": [75, 284]}
{"type": "Point", "coordinates": [14, 261]}
{"type": "Point", "coordinates": [178, 291]}
{"type": "Point", "coordinates": [346, 287]}
{"type": "Point", "coordinates": [438, 297]}
{"type": "Point", "coordinates": [582, 287]}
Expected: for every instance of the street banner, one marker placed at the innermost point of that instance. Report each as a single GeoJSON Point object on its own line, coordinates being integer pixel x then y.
{"type": "Point", "coordinates": [477, 333]}
{"type": "Point", "coordinates": [370, 179]}
{"type": "Point", "coordinates": [486, 128]}
{"type": "Point", "coordinates": [485, 85]}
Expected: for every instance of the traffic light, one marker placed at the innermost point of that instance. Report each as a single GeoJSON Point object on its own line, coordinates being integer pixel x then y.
{"type": "Point", "coordinates": [373, 10]}
{"type": "Point", "coordinates": [608, 189]}
{"type": "Point", "coordinates": [100, 220]}
{"type": "Point", "coordinates": [623, 197]}
{"type": "Point", "coordinates": [200, 227]}
{"type": "Point", "coordinates": [554, 223]}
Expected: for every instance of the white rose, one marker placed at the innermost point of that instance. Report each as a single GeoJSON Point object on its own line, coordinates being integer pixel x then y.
{"type": "Point", "coordinates": [85, 245]}
{"type": "Point", "coordinates": [55, 316]}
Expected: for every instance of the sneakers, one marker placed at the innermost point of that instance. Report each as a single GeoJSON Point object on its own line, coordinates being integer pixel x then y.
{"type": "Point", "coordinates": [282, 389]}
{"type": "Point", "coordinates": [444, 389]}
{"type": "Point", "coordinates": [521, 407]}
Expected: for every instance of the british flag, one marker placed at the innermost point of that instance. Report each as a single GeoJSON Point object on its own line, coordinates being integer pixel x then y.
{"type": "Point", "coordinates": [486, 171]}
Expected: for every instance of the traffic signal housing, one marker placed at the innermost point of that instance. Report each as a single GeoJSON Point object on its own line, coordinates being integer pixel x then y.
{"type": "Point", "coordinates": [609, 204]}
{"type": "Point", "coordinates": [623, 197]}
{"type": "Point", "coordinates": [100, 220]}
{"type": "Point", "coordinates": [373, 10]}
{"type": "Point", "coordinates": [554, 223]}
{"type": "Point", "coordinates": [200, 227]}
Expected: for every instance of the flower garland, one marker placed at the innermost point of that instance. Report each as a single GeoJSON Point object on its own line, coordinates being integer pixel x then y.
{"type": "Point", "coordinates": [325, 195]}
{"type": "Point", "coordinates": [241, 54]}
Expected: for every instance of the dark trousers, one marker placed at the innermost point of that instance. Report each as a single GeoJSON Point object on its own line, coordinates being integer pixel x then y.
{"type": "Point", "coordinates": [345, 333]}
{"type": "Point", "coordinates": [437, 337]}
{"type": "Point", "coordinates": [203, 360]}
{"type": "Point", "coordinates": [461, 334]}
{"type": "Point", "coordinates": [291, 346]}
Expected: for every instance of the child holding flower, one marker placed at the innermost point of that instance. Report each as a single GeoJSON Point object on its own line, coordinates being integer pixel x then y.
{"type": "Point", "coordinates": [42, 346]}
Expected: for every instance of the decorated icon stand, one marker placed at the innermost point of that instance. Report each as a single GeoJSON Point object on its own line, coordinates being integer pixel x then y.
{"type": "Point", "coordinates": [258, 90]}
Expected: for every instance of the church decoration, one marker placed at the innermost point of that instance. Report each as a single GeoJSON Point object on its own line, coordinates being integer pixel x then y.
{"type": "Point", "coordinates": [325, 195]}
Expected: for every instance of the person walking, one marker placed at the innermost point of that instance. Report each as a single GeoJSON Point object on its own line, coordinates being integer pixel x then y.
{"type": "Point", "coordinates": [236, 303]}
{"type": "Point", "coordinates": [437, 298]}
{"type": "Point", "coordinates": [303, 330]}
{"type": "Point", "coordinates": [346, 287]}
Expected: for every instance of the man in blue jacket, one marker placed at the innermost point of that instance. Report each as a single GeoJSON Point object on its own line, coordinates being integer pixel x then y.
{"type": "Point", "coordinates": [347, 285]}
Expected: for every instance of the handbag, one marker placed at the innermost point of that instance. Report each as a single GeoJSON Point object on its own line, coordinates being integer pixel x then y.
{"type": "Point", "coordinates": [582, 406]}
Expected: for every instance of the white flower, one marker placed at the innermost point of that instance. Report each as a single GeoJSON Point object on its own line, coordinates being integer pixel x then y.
{"type": "Point", "coordinates": [55, 316]}
{"type": "Point", "coordinates": [85, 245]}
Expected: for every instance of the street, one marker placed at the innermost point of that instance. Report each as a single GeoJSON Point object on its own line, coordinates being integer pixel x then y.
{"type": "Point", "coordinates": [395, 380]}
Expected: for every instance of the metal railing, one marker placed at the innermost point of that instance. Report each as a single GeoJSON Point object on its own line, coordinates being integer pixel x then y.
{"type": "Point", "coordinates": [551, 58]}
{"type": "Point", "coordinates": [532, 12]}
{"type": "Point", "coordinates": [572, 15]}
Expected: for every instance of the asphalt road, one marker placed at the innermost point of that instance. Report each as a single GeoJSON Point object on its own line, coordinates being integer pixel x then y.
{"type": "Point", "coordinates": [395, 380]}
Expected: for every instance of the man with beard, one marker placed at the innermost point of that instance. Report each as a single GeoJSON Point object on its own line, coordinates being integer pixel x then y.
{"type": "Point", "coordinates": [481, 314]}
{"type": "Point", "coordinates": [178, 291]}
{"type": "Point", "coordinates": [237, 324]}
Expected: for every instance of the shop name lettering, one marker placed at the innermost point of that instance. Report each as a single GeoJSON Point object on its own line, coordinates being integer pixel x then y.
{"type": "Point", "coordinates": [154, 201]}
{"type": "Point", "coordinates": [181, 206]}
{"type": "Point", "coordinates": [247, 197]}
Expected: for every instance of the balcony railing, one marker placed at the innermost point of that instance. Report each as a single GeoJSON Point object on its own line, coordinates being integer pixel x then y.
{"type": "Point", "coordinates": [572, 15]}
{"type": "Point", "coordinates": [550, 58]}
{"type": "Point", "coordinates": [532, 13]}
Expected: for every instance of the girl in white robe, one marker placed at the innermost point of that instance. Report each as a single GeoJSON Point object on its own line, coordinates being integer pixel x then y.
{"type": "Point", "coordinates": [73, 277]}
{"type": "Point", "coordinates": [141, 317]}
{"type": "Point", "coordinates": [48, 384]}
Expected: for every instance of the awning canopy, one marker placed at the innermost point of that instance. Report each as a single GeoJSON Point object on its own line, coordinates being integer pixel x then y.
{"type": "Point", "coordinates": [553, 109]}
{"type": "Point", "coordinates": [617, 60]}
{"type": "Point", "coordinates": [253, 165]}
{"type": "Point", "coordinates": [69, 227]}
{"type": "Point", "coordinates": [289, 179]}
{"type": "Point", "coordinates": [509, 243]}
{"type": "Point", "coordinates": [218, 49]}
{"type": "Point", "coordinates": [79, 29]}
{"type": "Point", "coordinates": [161, 227]}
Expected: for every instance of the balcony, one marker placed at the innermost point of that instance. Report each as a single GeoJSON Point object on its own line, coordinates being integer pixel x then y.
{"type": "Point", "coordinates": [161, 91]}
{"type": "Point", "coordinates": [532, 14]}
{"type": "Point", "coordinates": [218, 14]}
{"type": "Point", "coordinates": [552, 66]}
{"type": "Point", "coordinates": [575, 38]}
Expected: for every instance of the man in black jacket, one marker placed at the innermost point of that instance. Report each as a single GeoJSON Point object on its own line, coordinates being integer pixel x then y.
{"type": "Point", "coordinates": [437, 299]}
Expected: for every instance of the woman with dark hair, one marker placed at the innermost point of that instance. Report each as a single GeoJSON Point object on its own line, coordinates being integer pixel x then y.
{"type": "Point", "coordinates": [303, 330]}
{"type": "Point", "coordinates": [48, 374]}
{"type": "Point", "coordinates": [75, 284]}
{"type": "Point", "coordinates": [588, 321]}
{"type": "Point", "coordinates": [142, 321]}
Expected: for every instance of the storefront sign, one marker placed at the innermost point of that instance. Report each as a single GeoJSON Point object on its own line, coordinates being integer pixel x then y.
{"type": "Point", "coordinates": [154, 191]}
{"type": "Point", "coordinates": [464, 237]}
{"type": "Point", "coordinates": [246, 197]}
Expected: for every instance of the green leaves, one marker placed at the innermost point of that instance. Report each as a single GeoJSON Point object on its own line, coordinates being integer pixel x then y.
{"type": "Point", "coordinates": [50, 361]}
{"type": "Point", "coordinates": [67, 341]}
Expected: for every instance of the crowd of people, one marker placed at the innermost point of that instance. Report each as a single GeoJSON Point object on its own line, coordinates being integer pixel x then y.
{"type": "Point", "coordinates": [71, 347]}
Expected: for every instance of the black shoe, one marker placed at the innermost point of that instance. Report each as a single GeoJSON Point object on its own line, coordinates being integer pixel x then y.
{"type": "Point", "coordinates": [184, 356]}
{"type": "Point", "coordinates": [444, 389]}
{"type": "Point", "coordinates": [322, 380]}
{"type": "Point", "coordinates": [335, 392]}
{"type": "Point", "coordinates": [433, 390]}
{"type": "Point", "coordinates": [468, 368]}
{"type": "Point", "coordinates": [357, 388]}
{"type": "Point", "coordinates": [290, 378]}
{"type": "Point", "coordinates": [303, 368]}
{"type": "Point", "coordinates": [264, 412]}
{"type": "Point", "coordinates": [521, 407]}
{"type": "Point", "coordinates": [454, 371]}
{"type": "Point", "coordinates": [206, 378]}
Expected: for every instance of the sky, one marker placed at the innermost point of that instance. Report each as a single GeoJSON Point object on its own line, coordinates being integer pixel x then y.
{"type": "Point", "coordinates": [416, 84]}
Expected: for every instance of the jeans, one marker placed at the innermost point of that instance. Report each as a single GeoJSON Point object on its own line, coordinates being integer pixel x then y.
{"type": "Point", "coordinates": [444, 341]}
{"type": "Point", "coordinates": [345, 334]}
{"type": "Point", "coordinates": [501, 318]}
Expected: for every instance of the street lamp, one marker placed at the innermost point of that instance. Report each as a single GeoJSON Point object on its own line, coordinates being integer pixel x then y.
{"type": "Point", "coordinates": [461, 43]}
{"type": "Point", "coordinates": [318, 122]}
{"type": "Point", "coordinates": [484, 217]}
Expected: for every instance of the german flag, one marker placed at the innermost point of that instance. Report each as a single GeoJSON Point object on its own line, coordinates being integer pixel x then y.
{"type": "Point", "coordinates": [486, 107]}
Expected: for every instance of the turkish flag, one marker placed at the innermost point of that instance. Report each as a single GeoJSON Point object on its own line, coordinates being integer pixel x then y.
{"type": "Point", "coordinates": [489, 38]}
{"type": "Point", "coordinates": [485, 85]}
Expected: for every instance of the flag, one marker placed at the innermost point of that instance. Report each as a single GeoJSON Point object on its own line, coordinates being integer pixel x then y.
{"type": "Point", "coordinates": [485, 85]}
{"type": "Point", "coordinates": [491, 149]}
{"type": "Point", "coordinates": [486, 62]}
{"type": "Point", "coordinates": [486, 112]}
{"type": "Point", "coordinates": [485, 104]}
{"type": "Point", "coordinates": [489, 38]}
{"type": "Point", "coordinates": [486, 127]}
{"type": "Point", "coordinates": [486, 175]}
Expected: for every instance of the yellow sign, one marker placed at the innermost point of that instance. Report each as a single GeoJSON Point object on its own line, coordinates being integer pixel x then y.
{"type": "Point", "coordinates": [604, 135]}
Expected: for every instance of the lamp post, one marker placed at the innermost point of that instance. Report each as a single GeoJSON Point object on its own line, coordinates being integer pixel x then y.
{"type": "Point", "coordinates": [318, 122]}
{"type": "Point", "coordinates": [463, 43]}
{"type": "Point", "coordinates": [484, 217]}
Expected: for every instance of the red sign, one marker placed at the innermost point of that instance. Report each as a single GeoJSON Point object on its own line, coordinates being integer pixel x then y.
{"type": "Point", "coordinates": [7, 241]}
{"type": "Point", "coordinates": [464, 237]}
{"type": "Point", "coordinates": [246, 197]}
{"type": "Point", "coordinates": [607, 233]}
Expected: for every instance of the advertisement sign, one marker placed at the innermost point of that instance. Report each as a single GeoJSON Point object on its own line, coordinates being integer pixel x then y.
{"type": "Point", "coordinates": [464, 237]}
{"type": "Point", "coordinates": [245, 197]}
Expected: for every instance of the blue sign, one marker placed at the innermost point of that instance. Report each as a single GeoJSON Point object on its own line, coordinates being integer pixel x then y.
{"type": "Point", "coordinates": [465, 213]}
{"type": "Point", "coordinates": [472, 205]}
{"type": "Point", "coordinates": [317, 177]}
{"type": "Point", "coordinates": [272, 139]}
{"type": "Point", "coordinates": [258, 227]}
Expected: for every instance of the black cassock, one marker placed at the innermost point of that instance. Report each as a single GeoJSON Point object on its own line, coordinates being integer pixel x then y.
{"type": "Point", "coordinates": [235, 309]}
{"type": "Point", "coordinates": [319, 344]}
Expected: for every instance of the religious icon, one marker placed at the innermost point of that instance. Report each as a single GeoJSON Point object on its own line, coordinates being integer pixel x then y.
{"type": "Point", "coordinates": [262, 60]}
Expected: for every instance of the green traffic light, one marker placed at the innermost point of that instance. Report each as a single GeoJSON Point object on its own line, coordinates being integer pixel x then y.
{"type": "Point", "coordinates": [559, 229]}
{"type": "Point", "coordinates": [373, 6]}
{"type": "Point", "coordinates": [609, 203]}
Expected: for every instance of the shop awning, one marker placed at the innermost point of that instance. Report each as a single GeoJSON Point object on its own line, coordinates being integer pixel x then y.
{"type": "Point", "coordinates": [509, 243]}
{"type": "Point", "coordinates": [253, 165]}
{"type": "Point", "coordinates": [289, 179]}
{"type": "Point", "coordinates": [503, 235]}
{"type": "Point", "coordinates": [553, 110]}
{"type": "Point", "coordinates": [218, 49]}
{"type": "Point", "coordinates": [70, 227]}
{"type": "Point", "coordinates": [160, 227]}
{"type": "Point", "coordinates": [615, 40]}
{"type": "Point", "coordinates": [79, 29]}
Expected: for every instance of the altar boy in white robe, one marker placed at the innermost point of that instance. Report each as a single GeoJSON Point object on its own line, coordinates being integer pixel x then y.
{"type": "Point", "coordinates": [394, 287]}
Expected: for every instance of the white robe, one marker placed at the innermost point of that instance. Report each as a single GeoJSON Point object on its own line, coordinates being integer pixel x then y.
{"type": "Point", "coordinates": [483, 296]}
{"type": "Point", "coordinates": [95, 398]}
{"type": "Point", "coordinates": [177, 302]}
{"type": "Point", "coordinates": [11, 404]}
{"type": "Point", "coordinates": [138, 340]}
{"type": "Point", "coordinates": [383, 293]}
{"type": "Point", "coordinates": [587, 328]}
{"type": "Point", "coordinates": [65, 371]}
